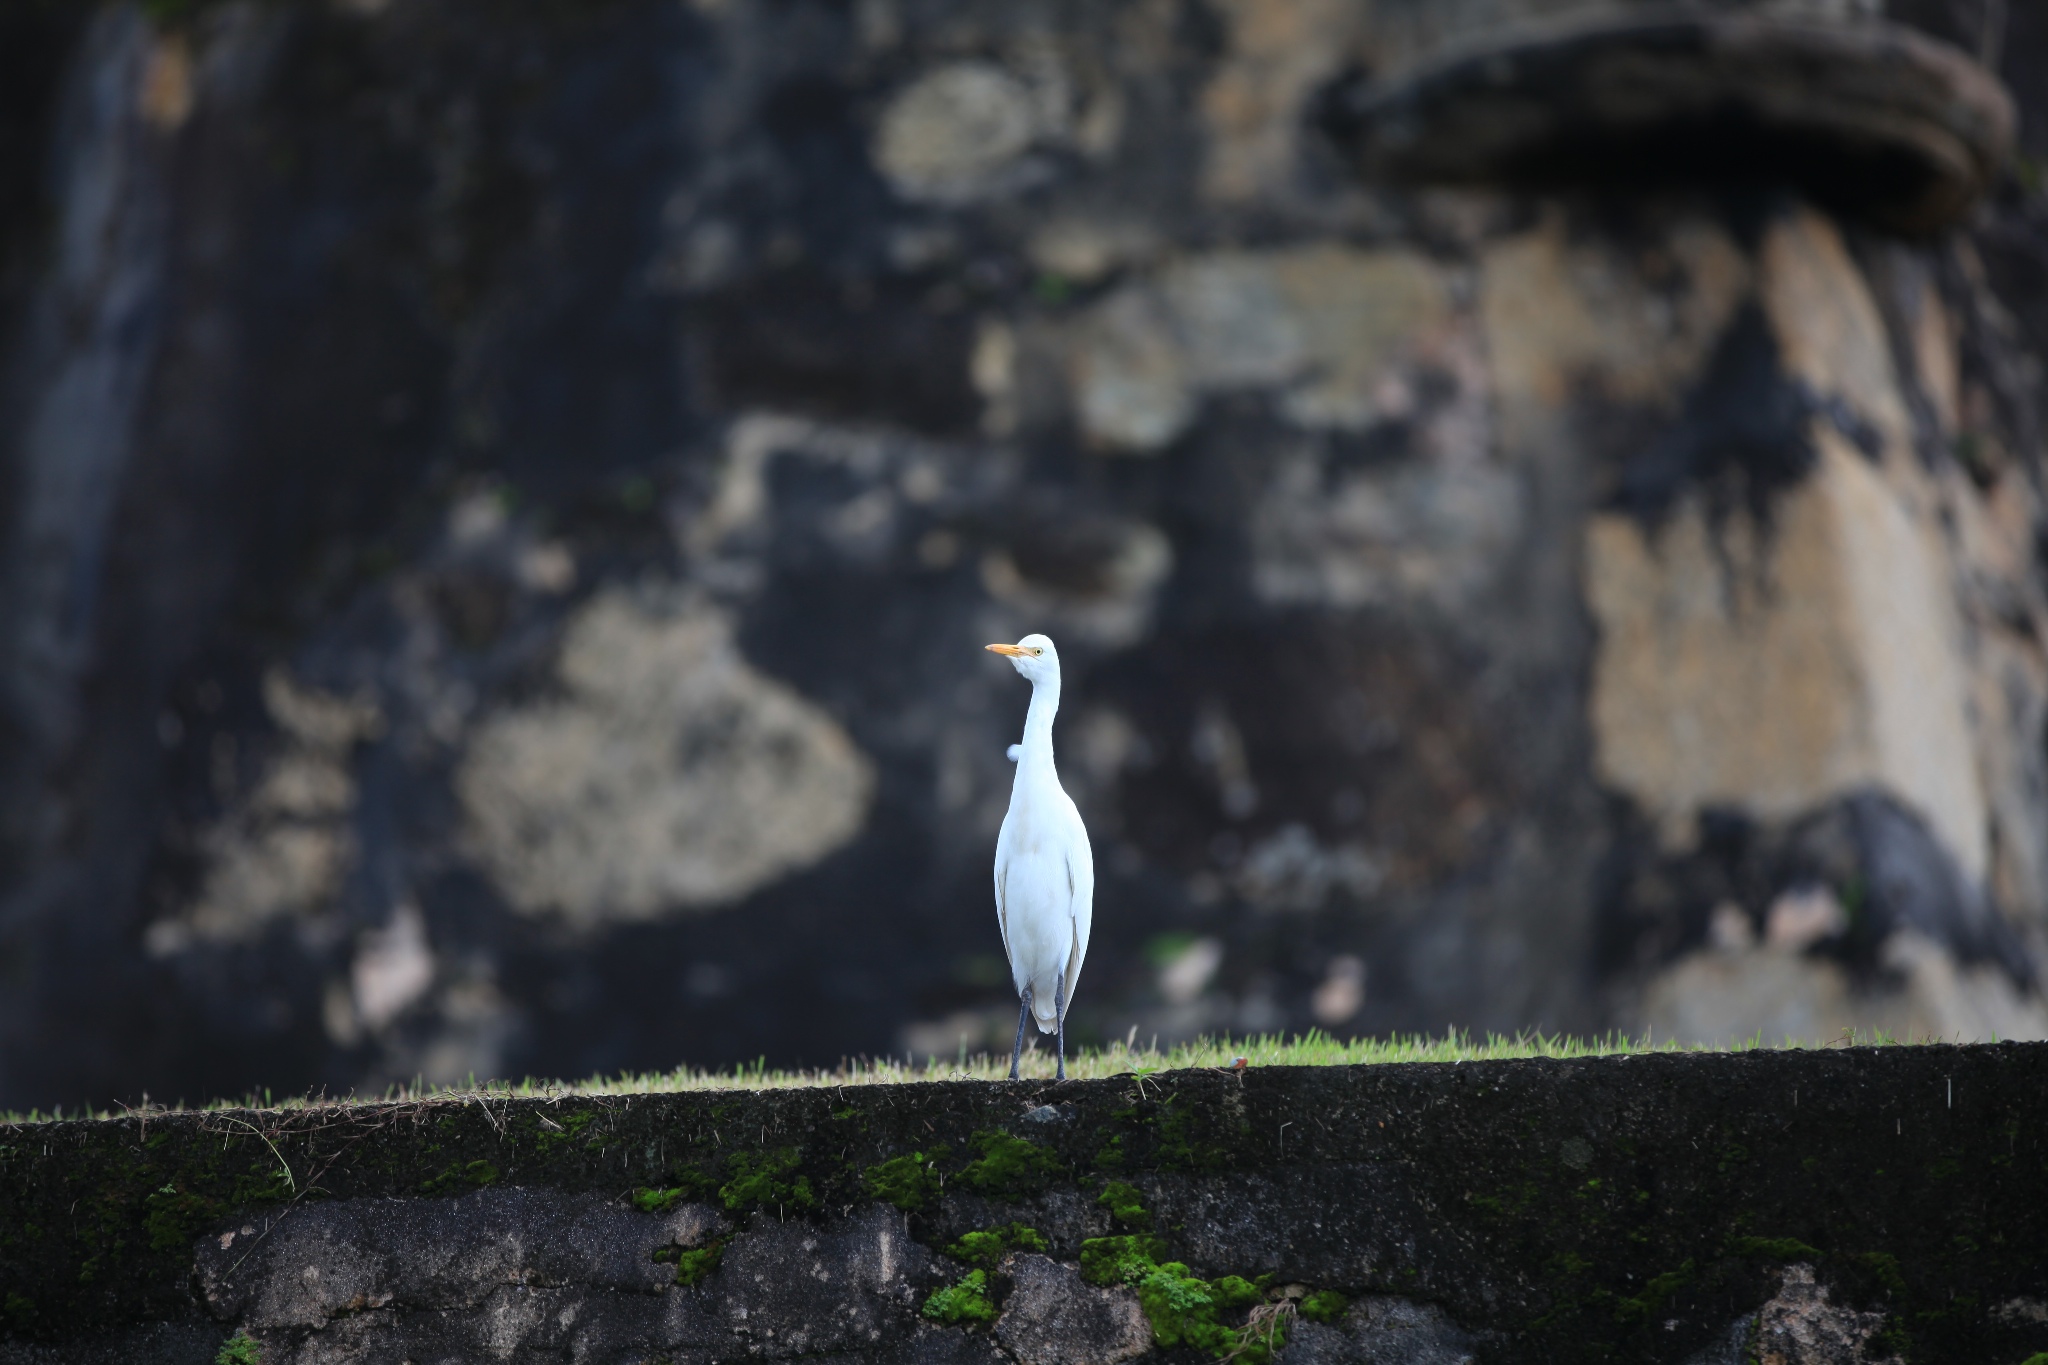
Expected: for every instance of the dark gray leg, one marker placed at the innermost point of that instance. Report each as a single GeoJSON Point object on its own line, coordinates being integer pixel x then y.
{"type": "Point", "coordinates": [1059, 1003]}
{"type": "Point", "coordinates": [1023, 1014]}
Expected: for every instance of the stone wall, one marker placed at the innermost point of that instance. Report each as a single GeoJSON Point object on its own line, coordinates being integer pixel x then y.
{"type": "Point", "coordinates": [504, 504]}
{"type": "Point", "coordinates": [1805, 1208]}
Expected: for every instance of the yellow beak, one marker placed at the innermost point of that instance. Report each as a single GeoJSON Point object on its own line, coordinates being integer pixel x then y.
{"type": "Point", "coordinates": [1012, 651]}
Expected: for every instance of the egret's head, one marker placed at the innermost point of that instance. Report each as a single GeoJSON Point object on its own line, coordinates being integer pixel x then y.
{"type": "Point", "coordinates": [1034, 657]}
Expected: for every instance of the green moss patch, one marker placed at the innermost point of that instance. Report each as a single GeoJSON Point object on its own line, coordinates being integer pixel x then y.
{"type": "Point", "coordinates": [1009, 1168]}
{"type": "Point", "coordinates": [175, 1217]}
{"type": "Point", "coordinates": [767, 1179]}
{"type": "Point", "coordinates": [1185, 1310]}
{"type": "Point", "coordinates": [458, 1179]}
{"type": "Point", "coordinates": [964, 1301]}
{"type": "Point", "coordinates": [987, 1248]}
{"type": "Point", "coordinates": [658, 1200]}
{"type": "Point", "coordinates": [1775, 1249]}
{"type": "Point", "coordinates": [1125, 1204]}
{"type": "Point", "coordinates": [1884, 1268]}
{"type": "Point", "coordinates": [693, 1263]}
{"type": "Point", "coordinates": [1192, 1140]}
{"type": "Point", "coordinates": [909, 1182]}
{"type": "Point", "coordinates": [1660, 1288]}
{"type": "Point", "coordinates": [1325, 1305]}
{"type": "Point", "coordinates": [551, 1135]}
{"type": "Point", "coordinates": [239, 1349]}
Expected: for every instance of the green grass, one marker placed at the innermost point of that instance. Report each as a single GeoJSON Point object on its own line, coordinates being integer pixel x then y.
{"type": "Point", "coordinates": [1314, 1048]}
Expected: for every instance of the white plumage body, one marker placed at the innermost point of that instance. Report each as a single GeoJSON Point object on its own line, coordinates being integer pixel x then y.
{"type": "Point", "coordinates": [1045, 889]}
{"type": "Point", "coordinates": [1044, 872]}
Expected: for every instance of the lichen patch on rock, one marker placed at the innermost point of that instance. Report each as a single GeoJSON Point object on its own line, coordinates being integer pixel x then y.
{"type": "Point", "coordinates": [1799, 1326]}
{"type": "Point", "coordinates": [668, 775]}
{"type": "Point", "coordinates": [283, 848]}
{"type": "Point", "coordinates": [957, 133]}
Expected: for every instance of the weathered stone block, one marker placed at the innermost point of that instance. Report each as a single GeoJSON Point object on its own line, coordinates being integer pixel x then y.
{"type": "Point", "coordinates": [1053, 1318]}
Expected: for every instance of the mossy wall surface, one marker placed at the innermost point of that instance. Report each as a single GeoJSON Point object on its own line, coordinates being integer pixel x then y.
{"type": "Point", "coordinates": [1624, 1208]}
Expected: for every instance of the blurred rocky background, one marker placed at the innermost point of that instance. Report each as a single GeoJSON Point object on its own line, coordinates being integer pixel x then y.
{"type": "Point", "coordinates": [1541, 504]}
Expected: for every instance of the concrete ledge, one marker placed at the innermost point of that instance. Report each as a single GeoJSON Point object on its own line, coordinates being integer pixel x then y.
{"type": "Point", "coordinates": [1669, 1207]}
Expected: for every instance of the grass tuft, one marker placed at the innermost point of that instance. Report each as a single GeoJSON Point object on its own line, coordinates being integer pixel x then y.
{"type": "Point", "coordinates": [1314, 1048]}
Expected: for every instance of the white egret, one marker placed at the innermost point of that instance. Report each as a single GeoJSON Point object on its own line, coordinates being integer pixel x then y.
{"type": "Point", "coordinates": [1045, 874]}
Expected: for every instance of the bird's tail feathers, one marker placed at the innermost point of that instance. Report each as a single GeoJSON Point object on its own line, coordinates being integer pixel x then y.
{"type": "Point", "coordinates": [1043, 1008]}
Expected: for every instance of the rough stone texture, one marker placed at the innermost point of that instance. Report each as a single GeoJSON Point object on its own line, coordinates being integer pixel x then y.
{"type": "Point", "coordinates": [1728, 997]}
{"type": "Point", "coordinates": [503, 504]}
{"type": "Point", "coordinates": [327, 1259]}
{"type": "Point", "coordinates": [1342, 334]}
{"type": "Point", "coordinates": [1769, 665]}
{"type": "Point", "coordinates": [1063, 1217]}
{"type": "Point", "coordinates": [1835, 1205]}
{"type": "Point", "coordinates": [1054, 1317]}
{"type": "Point", "coordinates": [530, 1273]}
{"type": "Point", "coordinates": [1382, 1331]}
{"type": "Point", "coordinates": [1871, 115]}
{"type": "Point", "coordinates": [1799, 1326]}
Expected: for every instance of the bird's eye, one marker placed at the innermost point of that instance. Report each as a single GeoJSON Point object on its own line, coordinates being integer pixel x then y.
{"type": "Point", "coordinates": [1036, 651]}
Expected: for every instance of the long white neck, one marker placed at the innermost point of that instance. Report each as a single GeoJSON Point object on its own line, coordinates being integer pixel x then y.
{"type": "Point", "coordinates": [1045, 701]}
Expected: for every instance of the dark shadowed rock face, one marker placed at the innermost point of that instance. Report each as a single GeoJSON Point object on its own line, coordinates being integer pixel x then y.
{"type": "Point", "coordinates": [1837, 1207]}
{"type": "Point", "coordinates": [503, 505]}
{"type": "Point", "coordinates": [1382, 1331]}
{"type": "Point", "coordinates": [1872, 117]}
